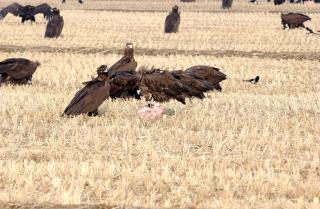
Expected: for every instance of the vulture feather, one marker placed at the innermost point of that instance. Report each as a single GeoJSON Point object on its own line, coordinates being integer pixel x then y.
{"type": "Point", "coordinates": [211, 74]}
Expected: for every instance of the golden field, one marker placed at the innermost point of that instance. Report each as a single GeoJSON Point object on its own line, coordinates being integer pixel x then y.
{"type": "Point", "coordinates": [250, 146]}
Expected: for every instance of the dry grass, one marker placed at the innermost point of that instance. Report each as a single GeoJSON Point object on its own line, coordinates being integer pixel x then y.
{"type": "Point", "coordinates": [251, 146]}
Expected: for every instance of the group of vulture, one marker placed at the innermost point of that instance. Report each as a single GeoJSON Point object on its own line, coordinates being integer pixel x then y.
{"type": "Point", "coordinates": [28, 12]}
{"type": "Point", "coordinates": [122, 80]}
{"type": "Point", "coordinates": [288, 21]}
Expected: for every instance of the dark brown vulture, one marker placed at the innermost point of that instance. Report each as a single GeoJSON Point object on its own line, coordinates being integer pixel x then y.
{"type": "Point", "coordinates": [211, 74]}
{"type": "Point", "coordinates": [127, 63]}
{"type": "Point", "coordinates": [91, 96]}
{"type": "Point", "coordinates": [226, 4]}
{"type": "Point", "coordinates": [172, 21]}
{"type": "Point", "coordinates": [55, 25]}
{"type": "Point", "coordinates": [17, 71]}
{"type": "Point", "coordinates": [293, 20]}
{"type": "Point", "coordinates": [27, 12]}
{"type": "Point", "coordinates": [278, 2]}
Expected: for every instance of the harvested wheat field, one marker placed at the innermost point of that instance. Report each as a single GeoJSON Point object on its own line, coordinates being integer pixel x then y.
{"type": "Point", "coordinates": [249, 146]}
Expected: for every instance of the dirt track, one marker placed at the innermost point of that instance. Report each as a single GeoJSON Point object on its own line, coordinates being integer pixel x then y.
{"type": "Point", "coordinates": [165, 52]}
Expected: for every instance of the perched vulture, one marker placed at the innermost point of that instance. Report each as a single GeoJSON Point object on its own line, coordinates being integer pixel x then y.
{"type": "Point", "coordinates": [172, 21]}
{"type": "Point", "coordinates": [55, 25]}
{"type": "Point", "coordinates": [211, 74]}
{"type": "Point", "coordinates": [17, 71]}
{"type": "Point", "coordinates": [294, 20]}
{"type": "Point", "coordinates": [278, 2]}
{"type": "Point", "coordinates": [27, 12]}
{"type": "Point", "coordinates": [127, 63]}
{"type": "Point", "coordinates": [91, 96]}
{"type": "Point", "coordinates": [226, 4]}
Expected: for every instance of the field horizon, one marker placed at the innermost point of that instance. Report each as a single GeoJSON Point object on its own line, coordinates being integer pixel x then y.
{"type": "Point", "coordinates": [249, 146]}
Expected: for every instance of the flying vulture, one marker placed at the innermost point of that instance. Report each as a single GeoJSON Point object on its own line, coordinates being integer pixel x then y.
{"type": "Point", "coordinates": [226, 4]}
{"type": "Point", "coordinates": [172, 21]}
{"type": "Point", "coordinates": [127, 63]}
{"type": "Point", "coordinates": [55, 25]}
{"type": "Point", "coordinates": [211, 74]}
{"type": "Point", "coordinates": [27, 12]}
{"type": "Point", "coordinates": [253, 80]}
{"type": "Point", "coordinates": [17, 71]}
{"type": "Point", "coordinates": [91, 96]}
{"type": "Point", "coordinates": [278, 2]}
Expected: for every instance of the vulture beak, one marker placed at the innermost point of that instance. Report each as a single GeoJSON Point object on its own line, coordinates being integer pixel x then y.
{"type": "Point", "coordinates": [105, 70]}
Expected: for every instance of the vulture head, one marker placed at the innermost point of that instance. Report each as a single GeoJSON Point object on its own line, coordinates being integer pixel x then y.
{"type": "Point", "coordinates": [175, 9]}
{"type": "Point", "coordinates": [55, 11]}
{"type": "Point", "coordinates": [102, 72]}
{"type": "Point", "coordinates": [128, 51]}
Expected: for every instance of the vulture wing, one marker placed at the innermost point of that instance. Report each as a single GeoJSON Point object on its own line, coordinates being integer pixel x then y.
{"type": "Point", "coordinates": [17, 68]}
{"type": "Point", "coordinates": [162, 86]}
{"type": "Point", "coordinates": [124, 85]}
{"type": "Point", "coordinates": [127, 64]}
{"type": "Point", "coordinates": [211, 74]}
{"type": "Point", "coordinates": [45, 9]}
{"type": "Point", "coordinates": [89, 98]}
{"type": "Point", "coordinates": [295, 18]}
{"type": "Point", "coordinates": [14, 9]}
{"type": "Point", "coordinates": [197, 84]}
{"type": "Point", "coordinates": [54, 27]}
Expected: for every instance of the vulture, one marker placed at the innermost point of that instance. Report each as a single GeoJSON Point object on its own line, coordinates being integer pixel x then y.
{"type": "Point", "coordinates": [91, 96]}
{"type": "Point", "coordinates": [226, 4]}
{"type": "Point", "coordinates": [172, 21]}
{"type": "Point", "coordinates": [127, 63]}
{"type": "Point", "coordinates": [27, 12]}
{"type": "Point", "coordinates": [17, 71]}
{"type": "Point", "coordinates": [253, 80]}
{"type": "Point", "coordinates": [278, 2]}
{"type": "Point", "coordinates": [54, 25]}
{"type": "Point", "coordinates": [295, 20]}
{"type": "Point", "coordinates": [211, 74]}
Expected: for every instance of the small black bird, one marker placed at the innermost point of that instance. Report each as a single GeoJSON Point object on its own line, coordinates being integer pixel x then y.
{"type": "Point", "coordinates": [253, 1]}
{"type": "Point", "coordinates": [253, 80]}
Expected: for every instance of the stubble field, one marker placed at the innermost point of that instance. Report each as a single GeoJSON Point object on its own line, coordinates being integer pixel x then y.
{"type": "Point", "coordinates": [250, 146]}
